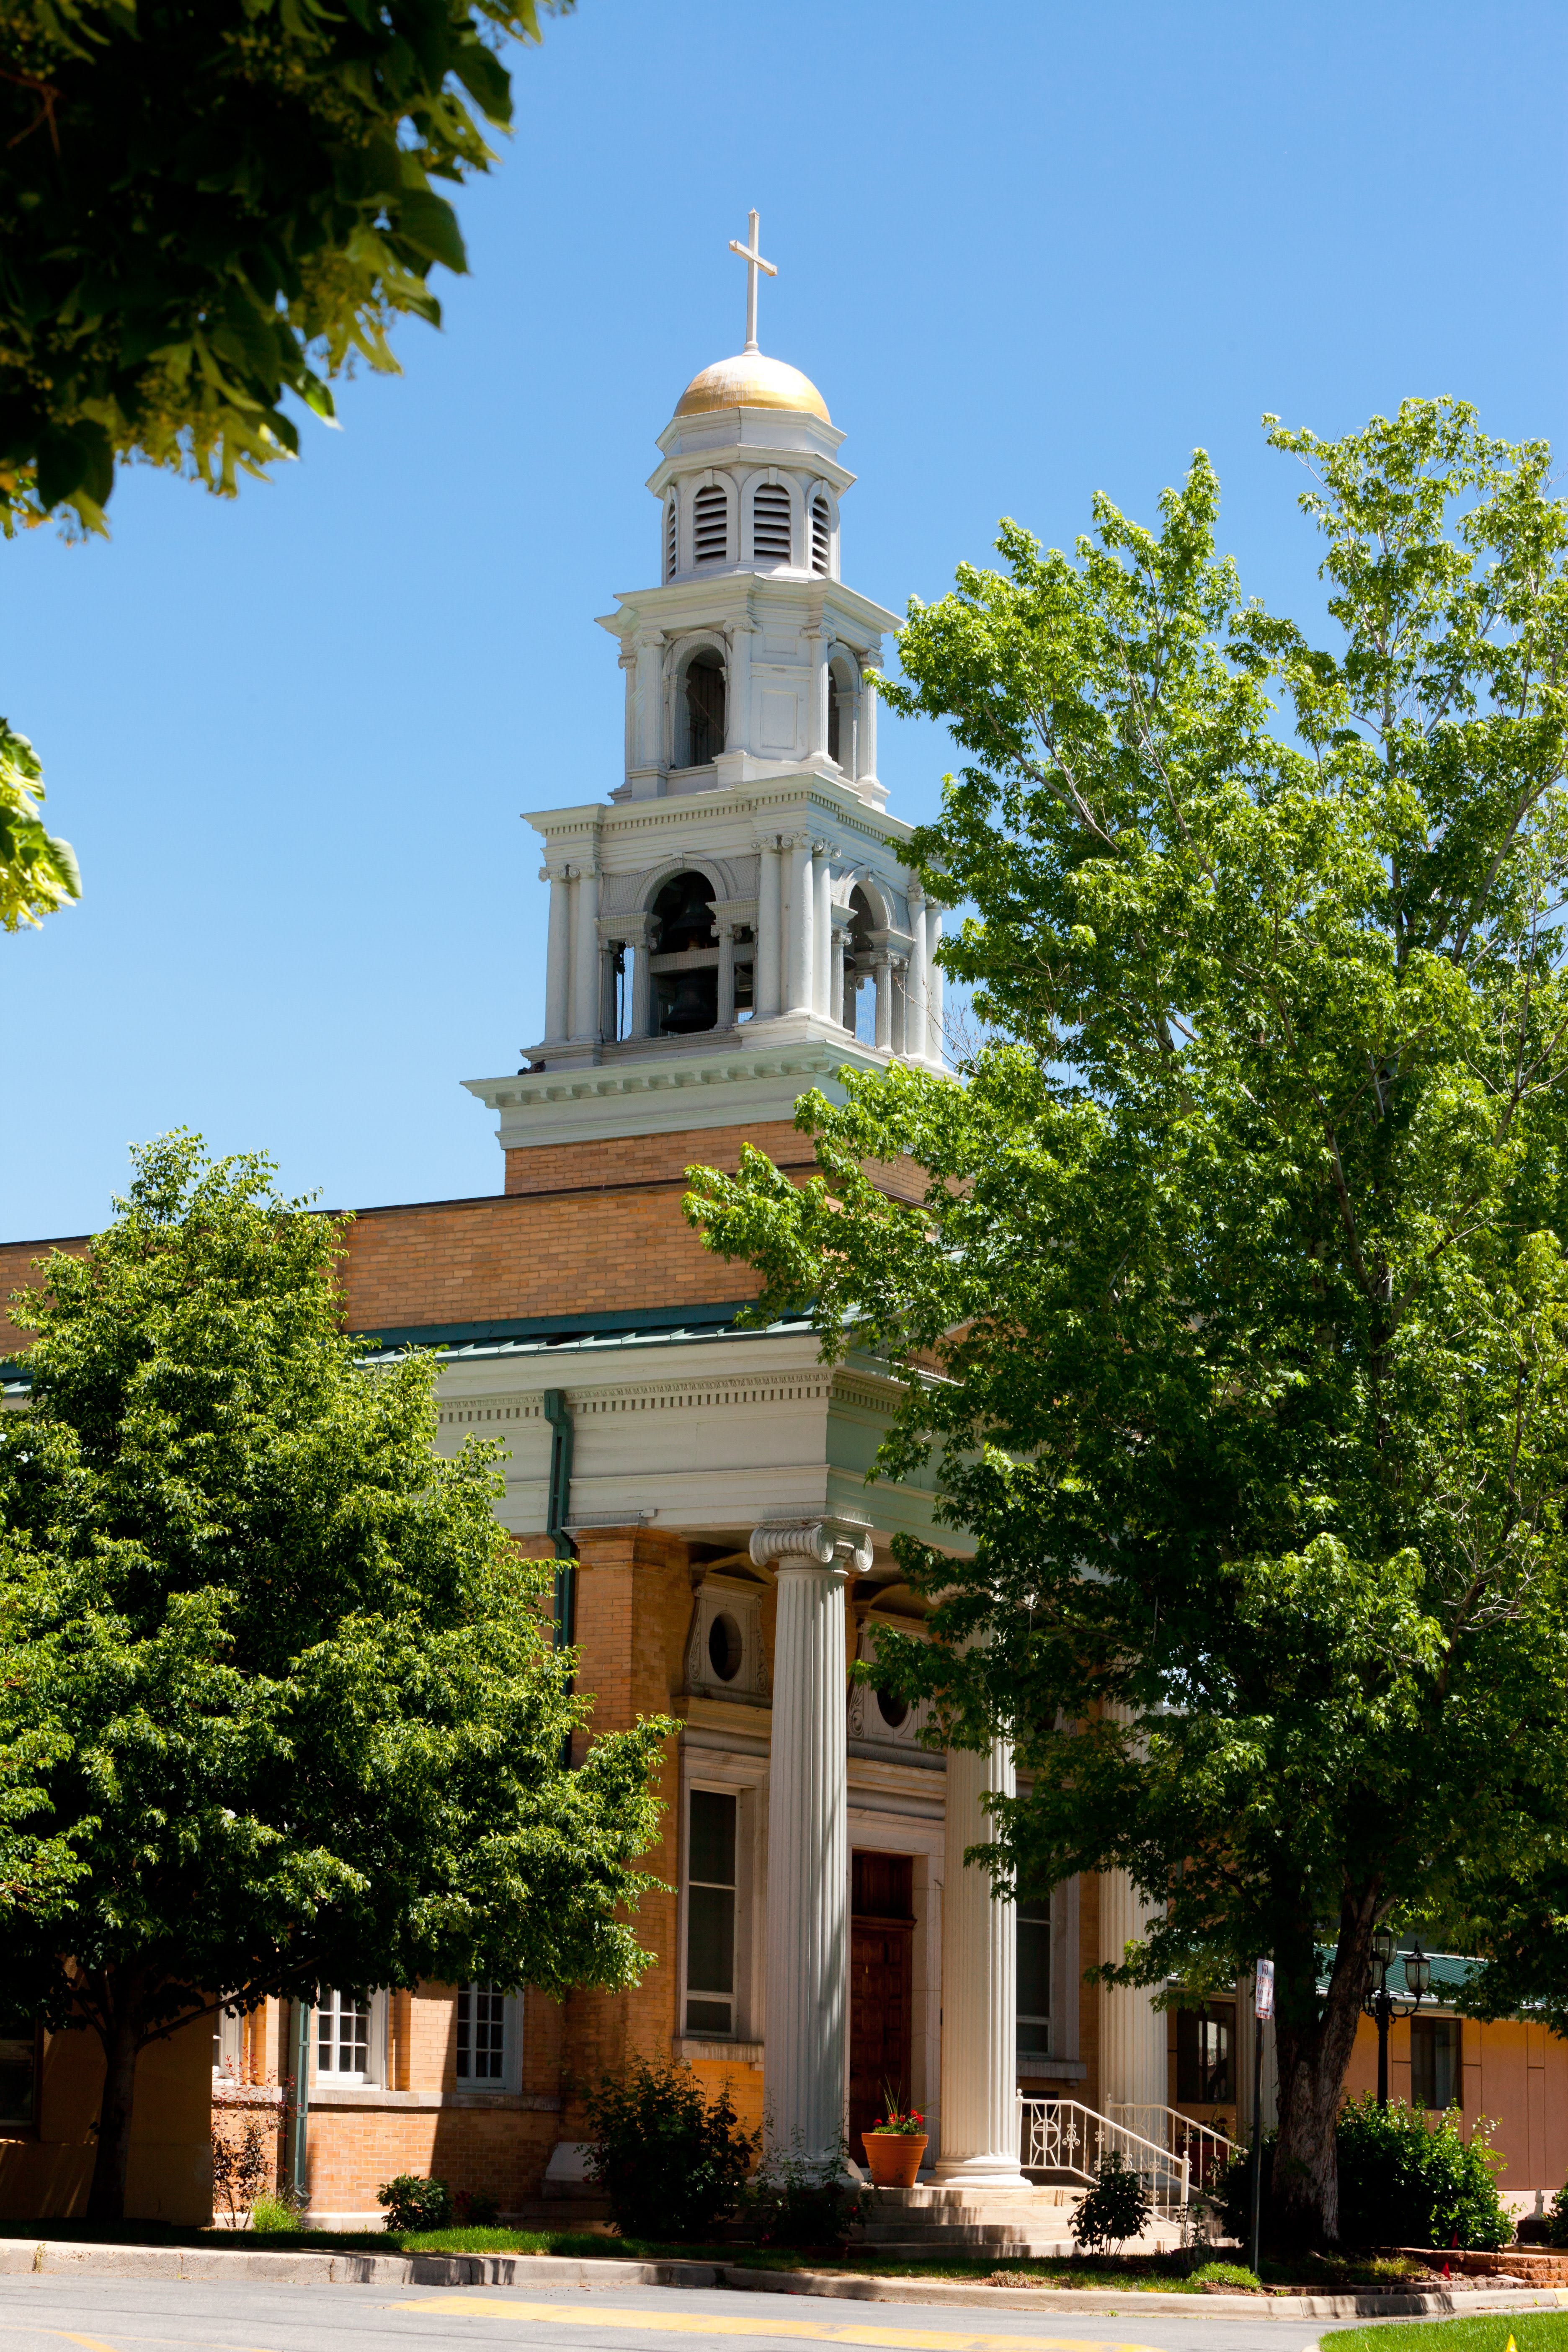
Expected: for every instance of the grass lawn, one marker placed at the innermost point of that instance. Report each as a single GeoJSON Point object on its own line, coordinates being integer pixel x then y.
{"type": "Point", "coordinates": [1533, 2331]}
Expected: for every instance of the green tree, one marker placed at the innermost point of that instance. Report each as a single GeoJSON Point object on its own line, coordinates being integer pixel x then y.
{"type": "Point", "coordinates": [1233, 1317]}
{"type": "Point", "coordinates": [173, 273]}
{"type": "Point", "coordinates": [38, 870]}
{"type": "Point", "coordinates": [274, 1673]}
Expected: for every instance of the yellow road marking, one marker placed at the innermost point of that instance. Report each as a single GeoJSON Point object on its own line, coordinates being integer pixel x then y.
{"type": "Point", "coordinates": [816, 2331]}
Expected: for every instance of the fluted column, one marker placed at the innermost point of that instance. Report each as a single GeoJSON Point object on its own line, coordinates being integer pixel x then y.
{"type": "Point", "coordinates": [882, 966]}
{"type": "Point", "coordinates": [765, 968]}
{"type": "Point", "coordinates": [822, 929]}
{"type": "Point", "coordinates": [866, 745]}
{"type": "Point", "coordinates": [1133, 2031]}
{"type": "Point", "coordinates": [837, 1008]}
{"type": "Point", "coordinates": [738, 686]}
{"type": "Point", "coordinates": [979, 1986]}
{"type": "Point", "coordinates": [802, 904]}
{"type": "Point", "coordinates": [807, 1923]}
{"type": "Point", "coordinates": [587, 994]}
{"type": "Point", "coordinates": [726, 976]}
{"type": "Point", "coordinates": [915, 1045]}
{"type": "Point", "coordinates": [557, 967]}
{"type": "Point", "coordinates": [934, 1034]}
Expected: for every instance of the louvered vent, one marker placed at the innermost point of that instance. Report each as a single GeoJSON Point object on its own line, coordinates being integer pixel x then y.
{"type": "Point", "coordinates": [821, 528]}
{"type": "Point", "coordinates": [770, 525]}
{"type": "Point", "coordinates": [710, 525]}
{"type": "Point", "coordinates": [671, 540]}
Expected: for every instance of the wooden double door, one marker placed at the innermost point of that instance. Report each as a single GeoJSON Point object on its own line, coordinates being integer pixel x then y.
{"type": "Point", "coordinates": [882, 1983]}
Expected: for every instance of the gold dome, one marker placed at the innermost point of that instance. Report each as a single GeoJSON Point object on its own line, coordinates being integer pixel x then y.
{"type": "Point", "coordinates": [751, 382]}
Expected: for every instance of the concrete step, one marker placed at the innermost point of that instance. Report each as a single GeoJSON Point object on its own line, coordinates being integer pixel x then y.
{"type": "Point", "coordinates": [1026, 2249]}
{"type": "Point", "coordinates": [940, 2233]}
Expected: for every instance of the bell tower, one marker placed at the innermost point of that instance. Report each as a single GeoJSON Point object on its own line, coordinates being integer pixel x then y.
{"type": "Point", "coordinates": [734, 921]}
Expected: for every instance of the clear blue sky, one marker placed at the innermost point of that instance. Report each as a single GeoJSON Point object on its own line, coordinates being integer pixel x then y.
{"type": "Point", "coordinates": [1028, 251]}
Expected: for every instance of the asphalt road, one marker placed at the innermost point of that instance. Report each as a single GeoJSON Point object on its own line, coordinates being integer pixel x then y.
{"type": "Point", "coordinates": [42, 2313]}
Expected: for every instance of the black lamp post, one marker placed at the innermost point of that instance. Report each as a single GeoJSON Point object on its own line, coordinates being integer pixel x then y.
{"type": "Point", "coordinates": [1382, 2006]}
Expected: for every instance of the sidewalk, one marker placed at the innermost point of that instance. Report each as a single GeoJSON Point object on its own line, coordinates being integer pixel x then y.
{"type": "Point", "coordinates": [211, 2265]}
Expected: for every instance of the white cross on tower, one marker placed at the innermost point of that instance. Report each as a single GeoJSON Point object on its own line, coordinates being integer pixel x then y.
{"type": "Point", "coordinates": [753, 260]}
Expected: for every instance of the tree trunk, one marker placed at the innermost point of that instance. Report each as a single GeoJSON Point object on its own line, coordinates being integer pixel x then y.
{"type": "Point", "coordinates": [106, 2199]}
{"type": "Point", "coordinates": [1314, 2055]}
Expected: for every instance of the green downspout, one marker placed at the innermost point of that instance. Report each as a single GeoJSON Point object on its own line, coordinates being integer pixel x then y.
{"type": "Point", "coordinates": [299, 2147]}
{"type": "Point", "coordinates": [558, 1509]}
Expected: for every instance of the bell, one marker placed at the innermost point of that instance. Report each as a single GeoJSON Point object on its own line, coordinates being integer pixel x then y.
{"type": "Point", "coordinates": [696, 1005]}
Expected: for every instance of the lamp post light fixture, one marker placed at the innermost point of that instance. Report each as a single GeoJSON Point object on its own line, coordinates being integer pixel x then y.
{"type": "Point", "coordinates": [1383, 2006]}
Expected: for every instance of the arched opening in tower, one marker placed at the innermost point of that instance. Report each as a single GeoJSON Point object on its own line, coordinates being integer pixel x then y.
{"type": "Point", "coordinates": [685, 963]}
{"type": "Point", "coordinates": [704, 710]}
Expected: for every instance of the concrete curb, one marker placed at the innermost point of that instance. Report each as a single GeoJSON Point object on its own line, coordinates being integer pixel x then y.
{"type": "Point", "coordinates": [1129, 2302]}
{"type": "Point", "coordinates": [211, 2264]}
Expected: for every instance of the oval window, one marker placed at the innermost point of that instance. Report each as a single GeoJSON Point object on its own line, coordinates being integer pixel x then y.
{"type": "Point", "coordinates": [893, 1710]}
{"type": "Point", "coordinates": [725, 1648]}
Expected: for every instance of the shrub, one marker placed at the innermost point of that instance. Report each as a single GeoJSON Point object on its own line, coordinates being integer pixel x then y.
{"type": "Point", "coordinates": [1402, 2182]}
{"type": "Point", "coordinates": [1556, 2219]}
{"type": "Point", "coordinates": [670, 2163]}
{"type": "Point", "coordinates": [1234, 2274]}
{"type": "Point", "coordinates": [798, 2201]}
{"type": "Point", "coordinates": [415, 2203]}
{"type": "Point", "coordinates": [1116, 2208]}
{"type": "Point", "coordinates": [273, 2215]}
{"type": "Point", "coordinates": [1406, 2183]}
{"type": "Point", "coordinates": [242, 2167]}
{"type": "Point", "coordinates": [472, 2210]}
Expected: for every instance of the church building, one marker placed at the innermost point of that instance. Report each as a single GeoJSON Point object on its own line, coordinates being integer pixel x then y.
{"type": "Point", "coordinates": [732, 923]}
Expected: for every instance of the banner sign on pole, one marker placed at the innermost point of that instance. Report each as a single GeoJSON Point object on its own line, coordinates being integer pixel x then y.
{"type": "Point", "coordinates": [1264, 1996]}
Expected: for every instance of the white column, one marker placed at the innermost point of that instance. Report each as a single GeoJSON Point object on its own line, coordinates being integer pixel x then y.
{"type": "Point", "coordinates": [866, 741]}
{"type": "Point", "coordinates": [801, 904]}
{"type": "Point", "coordinates": [808, 1924]}
{"type": "Point", "coordinates": [915, 1025]}
{"type": "Point", "coordinates": [585, 994]}
{"type": "Point", "coordinates": [935, 1038]}
{"type": "Point", "coordinates": [608, 1025]}
{"type": "Point", "coordinates": [822, 929]}
{"type": "Point", "coordinates": [882, 965]}
{"type": "Point", "coordinates": [1133, 2031]}
{"type": "Point", "coordinates": [726, 976]}
{"type": "Point", "coordinates": [642, 980]}
{"type": "Point", "coordinates": [557, 966]}
{"type": "Point", "coordinates": [901, 1005]}
{"type": "Point", "coordinates": [765, 964]}
{"type": "Point", "coordinates": [979, 1987]}
{"type": "Point", "coordinates": [836, 1007]}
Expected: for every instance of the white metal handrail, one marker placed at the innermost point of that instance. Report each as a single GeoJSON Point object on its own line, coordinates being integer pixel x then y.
{"type": "Point", "coordinates": [1208, 2151]}
{"type": "Point", "coordinates": [1063, 2136]}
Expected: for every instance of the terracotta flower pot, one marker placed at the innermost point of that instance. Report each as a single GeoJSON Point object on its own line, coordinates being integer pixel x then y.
{"type": "Point", "coordinates": [893, 2158]}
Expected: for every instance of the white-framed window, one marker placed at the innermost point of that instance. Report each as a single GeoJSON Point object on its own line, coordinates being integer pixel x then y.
{"type": "Point", "coordinates": [488, 2039]}
{"type": "Point", "coordinates": [228, 2046]}
{"type": "Point", "coordinates": [1034, 1979]}
{"type": "Point", "coordinates": [350, 2038]}
{"type": "Point", "coordinates": [712, 1823]}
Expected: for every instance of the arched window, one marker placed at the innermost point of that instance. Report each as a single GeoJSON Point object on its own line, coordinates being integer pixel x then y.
{"type": "Point", "coordinates": [821, 534]}
{"type": "Point", "coordinates": [671, 540]}
{"type": "Point", "coordinates": [704, 710]}
{"type": "Point", "coordinates": [685, 956]}
{"type": "Point", "coordinates": [711, 524]}
{"type": "Point", "coordinates": [771, 539]}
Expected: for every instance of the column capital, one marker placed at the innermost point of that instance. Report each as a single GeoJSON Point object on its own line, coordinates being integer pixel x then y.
{"type": "Point", "coordinates": [836, 1545]}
